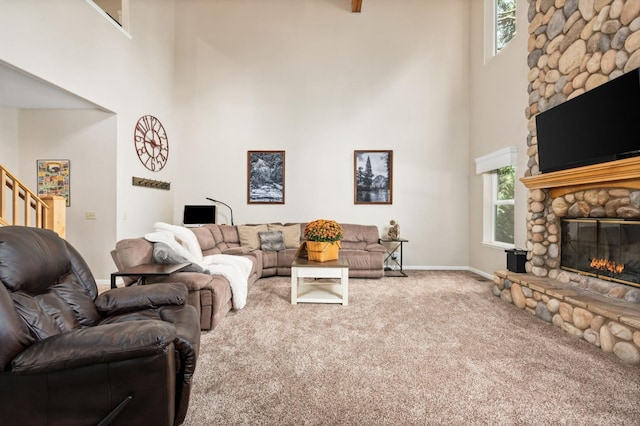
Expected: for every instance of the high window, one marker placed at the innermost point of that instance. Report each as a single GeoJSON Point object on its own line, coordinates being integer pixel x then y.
{"type": "Point", "coordinates": [498, 174]}
{"type": "Point", "coordinates": [505, 22]}
{"type": "Point", "coordinates": [117, 11]}
{"type": "Point", "coordinates": [499, 24]}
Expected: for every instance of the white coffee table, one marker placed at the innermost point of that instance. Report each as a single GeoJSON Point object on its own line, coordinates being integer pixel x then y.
{"type": "Point", "coordinates": [306, 290]}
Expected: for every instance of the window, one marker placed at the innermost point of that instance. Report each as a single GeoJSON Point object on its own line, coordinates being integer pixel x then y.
{"type": "Point", "coordinates": [503, 204]}
{"type": "Point", "coordinates": [498, 170]}
{"type": "Point", "coordinates": [500, 25]}
{"type": "Point", "coordinates": [117, 11]}
{"type": "Point", "coordinates": [505, 22]}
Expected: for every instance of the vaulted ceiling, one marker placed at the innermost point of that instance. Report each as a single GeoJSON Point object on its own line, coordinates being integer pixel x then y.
{"type": "Point", "coordinates": [21, 90]}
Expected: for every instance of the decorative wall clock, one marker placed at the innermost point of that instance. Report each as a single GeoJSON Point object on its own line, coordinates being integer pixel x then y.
{"type": "Point", "coordinates": [151, 143]}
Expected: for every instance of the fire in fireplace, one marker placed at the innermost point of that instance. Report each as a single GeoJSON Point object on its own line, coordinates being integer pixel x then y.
{"type": "Point", "coordinates": [604, 248]}
{"type": "Point", "coordinates": [606, 265]}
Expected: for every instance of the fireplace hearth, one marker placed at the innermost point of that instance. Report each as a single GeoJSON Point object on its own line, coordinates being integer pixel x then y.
{"type": "Point", "coordinates": [608, 249]}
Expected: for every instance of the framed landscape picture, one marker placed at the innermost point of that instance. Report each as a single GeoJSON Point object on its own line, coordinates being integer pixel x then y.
{"type": "Point", "coordinates": [373, 177]}
{"type": "Point", "coordinates": [54, 178]}
{"type": "Point", "coordinates": [265, 177]}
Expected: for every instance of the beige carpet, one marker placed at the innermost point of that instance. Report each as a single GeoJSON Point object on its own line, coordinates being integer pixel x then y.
{"type": "Point", "coordinates": [433, 348]}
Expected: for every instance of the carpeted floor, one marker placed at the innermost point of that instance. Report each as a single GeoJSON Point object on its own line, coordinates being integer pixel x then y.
{"type": "Point", "coordinates": [434, 348]}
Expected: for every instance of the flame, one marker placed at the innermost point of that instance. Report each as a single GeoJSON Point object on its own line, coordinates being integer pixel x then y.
{"type": "Point", "coordinates": [608, 265]}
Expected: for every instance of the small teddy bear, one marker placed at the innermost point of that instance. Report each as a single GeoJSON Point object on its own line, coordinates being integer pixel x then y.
{"type": "Point", "coordinates": [394, 230]}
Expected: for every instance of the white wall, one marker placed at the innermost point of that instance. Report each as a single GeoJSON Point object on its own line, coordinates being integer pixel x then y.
{"type": "Point", "coordinates": [498, 98]}
{"type": "Point", "coordinates": [86, 138]}
{"type": "Point", "coordinates": [69, 44]}
{"type": "Point", "coordinates": [315, 80]}
{"type": "Point", "coordinates": [308, 77]}
{"type": "Point", "coordinates": [9, 138]}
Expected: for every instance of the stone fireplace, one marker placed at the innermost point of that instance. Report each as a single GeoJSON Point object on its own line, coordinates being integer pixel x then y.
{"type": "Point", "coordinates": [580, 199]}
{"type": "Point", "coordinates": [575, 46]}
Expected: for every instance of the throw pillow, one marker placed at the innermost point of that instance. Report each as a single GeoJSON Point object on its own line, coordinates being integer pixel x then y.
{"type": "Point", "coordinates": [291, 234]}
{"type": "Point", "coordinates": [249, 235]}
{"type": "Point", "coordinates": [165, 255]}
{"type": "Point", "coordinates": [271, 241]}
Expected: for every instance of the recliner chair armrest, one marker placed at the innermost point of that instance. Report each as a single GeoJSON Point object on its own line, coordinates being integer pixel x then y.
{"type": "Point", "coordinates": [95, 345]}
{"type": "Point", "coordinates": [134, 298]}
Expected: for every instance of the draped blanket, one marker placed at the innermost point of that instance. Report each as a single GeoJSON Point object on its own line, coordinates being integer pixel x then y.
{"type": "Point", "coordinates": [184, 243]}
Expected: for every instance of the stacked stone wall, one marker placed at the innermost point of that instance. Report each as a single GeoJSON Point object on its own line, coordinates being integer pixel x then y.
{"type": "Point", "coordinates": [574, 46]}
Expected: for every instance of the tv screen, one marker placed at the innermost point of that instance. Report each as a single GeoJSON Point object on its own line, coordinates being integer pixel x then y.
{"type": "Point", "coordinates": [600, 125]}
{"type": "Point", "coordinates": [199, 215]}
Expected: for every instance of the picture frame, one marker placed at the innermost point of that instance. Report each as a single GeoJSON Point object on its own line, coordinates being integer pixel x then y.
{"type": "Point", "coordinates": [373, 177]}
{"type": "Point", "coordinates": [265, 177]}
{"type": "Point", "coordinates": [54, 177]}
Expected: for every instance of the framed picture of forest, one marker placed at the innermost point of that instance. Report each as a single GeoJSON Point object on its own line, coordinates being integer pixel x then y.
{"type": "Point", "coordinates": [373, 177]}
{"type": "Point", "coordinates": [265, 177]}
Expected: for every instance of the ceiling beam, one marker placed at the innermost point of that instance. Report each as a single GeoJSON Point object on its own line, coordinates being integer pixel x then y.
{"type": "Point", "coordinates": [356, 6]}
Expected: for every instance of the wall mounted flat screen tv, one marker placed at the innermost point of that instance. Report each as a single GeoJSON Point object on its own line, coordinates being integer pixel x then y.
{"type": "Point", "coordinates": [602, 124]}
{"type": "Point", "coordinates": [199, 215]}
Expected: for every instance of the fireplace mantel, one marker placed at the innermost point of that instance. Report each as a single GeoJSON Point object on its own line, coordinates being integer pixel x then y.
{"type": "Point", "coordinates": [613, 174]}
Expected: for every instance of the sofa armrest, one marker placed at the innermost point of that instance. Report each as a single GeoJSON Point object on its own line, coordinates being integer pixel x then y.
{"type": "Point", "coordinates": [95, 345]}
{"type": "Point", "coordinates": [376, 247]}
{"type": "Point", "coordinates": [126, 299]}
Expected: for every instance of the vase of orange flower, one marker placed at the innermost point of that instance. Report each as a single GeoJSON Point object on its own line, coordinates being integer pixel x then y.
{"type": "Point", "coordinates": [323, 239]}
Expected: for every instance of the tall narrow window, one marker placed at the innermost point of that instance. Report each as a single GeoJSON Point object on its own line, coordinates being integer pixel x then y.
{"type": "Point", "coordinates": [505, 22]}
{"type": "Point", "coordinates": [503, 204]}
{"type": "Point", "coordinates": [498, 218]}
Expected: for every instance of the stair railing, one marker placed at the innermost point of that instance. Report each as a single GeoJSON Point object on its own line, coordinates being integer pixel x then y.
{"type": "Point", "coordinates": [22, 207]}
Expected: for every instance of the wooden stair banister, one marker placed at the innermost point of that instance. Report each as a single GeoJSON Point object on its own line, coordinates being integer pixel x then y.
{"type": "Point", "coordinates": [27, 209]}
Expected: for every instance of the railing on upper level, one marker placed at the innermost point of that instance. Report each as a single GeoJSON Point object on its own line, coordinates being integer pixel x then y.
{"type": "Point", "coordinates": [21, 206]}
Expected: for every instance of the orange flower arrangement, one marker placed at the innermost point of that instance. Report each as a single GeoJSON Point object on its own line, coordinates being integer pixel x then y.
{"type": "Point", "coordinates": [323, 230]}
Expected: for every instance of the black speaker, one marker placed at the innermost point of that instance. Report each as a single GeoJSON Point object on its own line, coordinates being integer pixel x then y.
{"type": "Point", "coordinates": [516, 260]}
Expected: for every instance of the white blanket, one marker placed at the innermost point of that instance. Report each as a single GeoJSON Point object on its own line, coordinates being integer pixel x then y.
{"type": "Point", "coordinates": [236, 269]}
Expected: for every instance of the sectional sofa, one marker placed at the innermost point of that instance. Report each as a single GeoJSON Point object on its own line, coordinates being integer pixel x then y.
{"type": "Point", "coordinates": [211, 294]}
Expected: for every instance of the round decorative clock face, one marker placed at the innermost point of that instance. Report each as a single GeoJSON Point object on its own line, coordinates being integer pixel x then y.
{"type": "Point", "coordinates": [151, 142]}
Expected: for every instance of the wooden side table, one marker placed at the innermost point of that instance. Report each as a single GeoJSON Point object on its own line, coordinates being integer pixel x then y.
{"type": "Point", "coordinates": [148, 270]}
{"type": "Point", "coordinates": [319, 291]}
{"type": "Point", "coordinates": [395, 270]}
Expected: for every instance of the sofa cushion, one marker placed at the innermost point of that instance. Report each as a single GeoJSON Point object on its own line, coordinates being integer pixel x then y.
{"type": "Point", "coordinates": [79, 300]}
{"type": "Point", "coordinates": [39, 323]}
{"type": "Point", "coordinates": [291, 234]}
{"type": "Point", "coordinates": [271, 241]}
{"type": "Point", "coordinates": [249, 235]}
{"type": "Point", "coordinates": [353, 245]}
{"type": "Point", "coordinates": [22, 247]}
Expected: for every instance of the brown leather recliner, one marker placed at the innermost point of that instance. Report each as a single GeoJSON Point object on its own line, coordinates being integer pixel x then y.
{"type": "Point", "coordinates": [69, 356]}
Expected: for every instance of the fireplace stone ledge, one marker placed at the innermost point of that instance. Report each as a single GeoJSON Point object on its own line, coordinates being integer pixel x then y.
{"type": "Point", "coordinates": [610, 324]}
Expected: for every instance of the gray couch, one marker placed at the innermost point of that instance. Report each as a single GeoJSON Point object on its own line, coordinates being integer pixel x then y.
{"type": "Point", "coordinates": [211, 294]}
